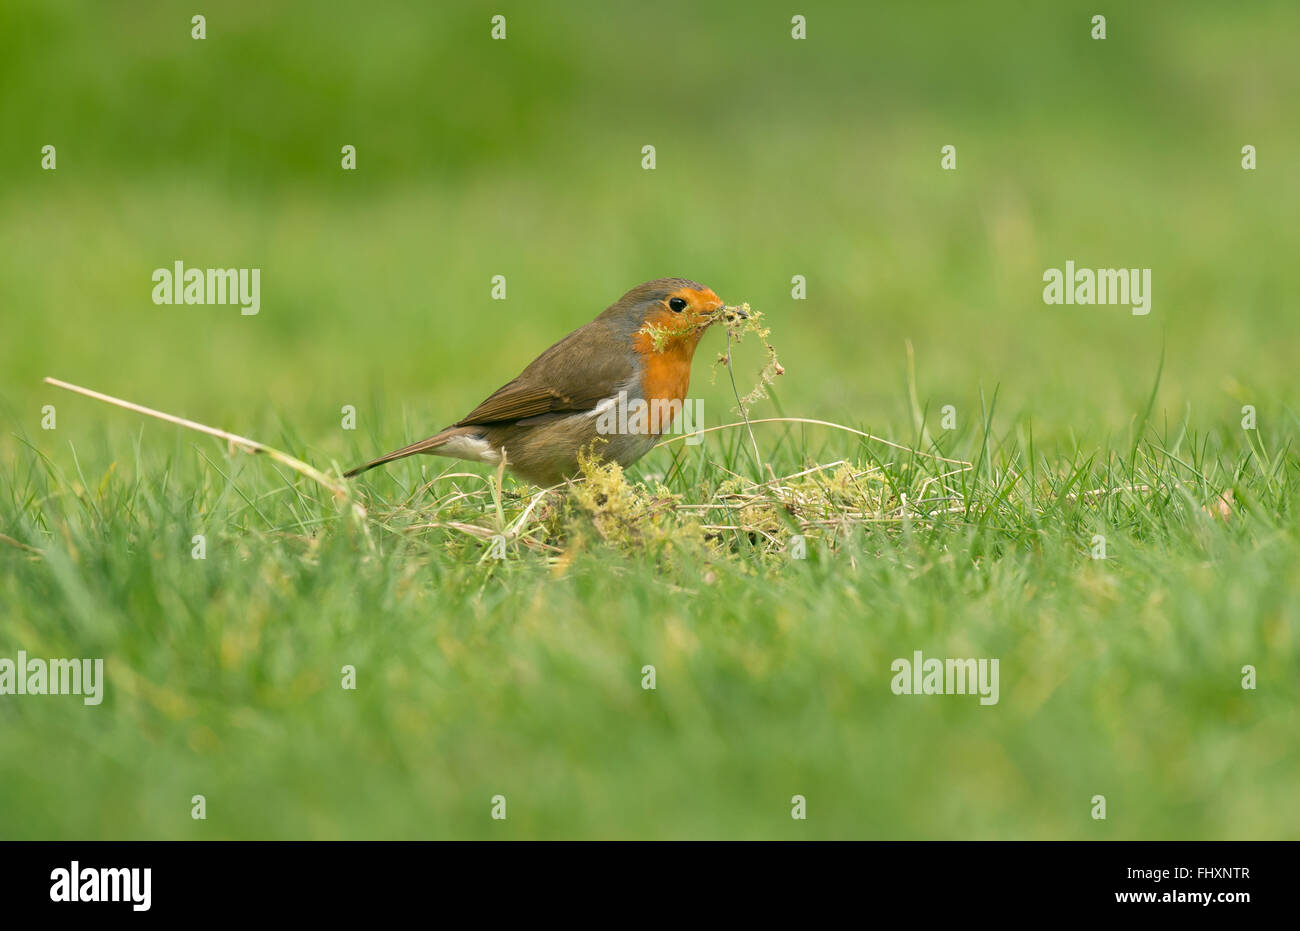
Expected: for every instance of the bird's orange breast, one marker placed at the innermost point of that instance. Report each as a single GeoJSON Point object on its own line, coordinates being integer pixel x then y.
{"type": "Point", "coordinates": [666, 367]}
{"type": "Point", "coordinates": [666, 376]}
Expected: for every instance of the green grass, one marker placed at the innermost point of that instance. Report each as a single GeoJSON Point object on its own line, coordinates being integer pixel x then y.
{"type": "Point", "coordinates": [522, 677]}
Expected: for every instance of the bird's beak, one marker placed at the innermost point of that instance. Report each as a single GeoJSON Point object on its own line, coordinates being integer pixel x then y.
{"type": "Point", "coordinates": [723, 312]}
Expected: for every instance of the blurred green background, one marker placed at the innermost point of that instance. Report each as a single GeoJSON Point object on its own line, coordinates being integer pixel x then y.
{"type": "Point", "coordinates": [522, 158]}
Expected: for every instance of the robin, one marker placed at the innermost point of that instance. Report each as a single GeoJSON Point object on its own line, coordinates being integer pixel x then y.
{"type": "Point", "coordinates": [638, 351]}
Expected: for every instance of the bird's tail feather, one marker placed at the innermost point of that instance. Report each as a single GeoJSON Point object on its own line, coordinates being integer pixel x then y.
{"type": "Point", "coordinates": [423, 446]}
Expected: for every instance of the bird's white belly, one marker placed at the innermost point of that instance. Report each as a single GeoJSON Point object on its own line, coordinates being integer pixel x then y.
{"type": "Point", "coordinates": [473, 448]}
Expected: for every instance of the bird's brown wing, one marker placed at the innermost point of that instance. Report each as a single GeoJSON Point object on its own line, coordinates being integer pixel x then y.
{"type": "Point", "coordinates": [517, 402]}
{"type": "Point", "coordinates": [573, 376]}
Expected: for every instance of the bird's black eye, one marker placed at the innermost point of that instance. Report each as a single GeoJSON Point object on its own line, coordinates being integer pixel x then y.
{"type": "Point", "coordinates": [677, 304]}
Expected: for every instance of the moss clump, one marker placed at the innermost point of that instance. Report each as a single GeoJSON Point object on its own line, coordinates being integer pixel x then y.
{"type": "Point", "coordinates": [741, 321]}
{"type": "Point", "coordinates": [686, 327]}
{"type": "Point", "coordinates": [630, 517]}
